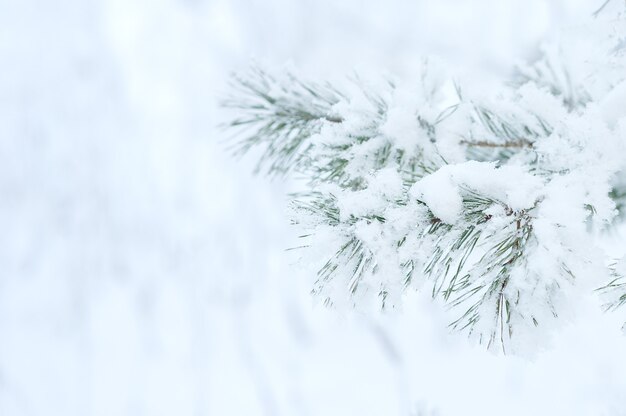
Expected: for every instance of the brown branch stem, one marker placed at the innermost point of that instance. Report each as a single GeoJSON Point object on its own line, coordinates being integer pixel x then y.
{"type": "Point", "coordinates": [519, 144]}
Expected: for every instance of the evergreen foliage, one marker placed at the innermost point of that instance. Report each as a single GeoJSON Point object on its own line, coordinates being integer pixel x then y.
{"type": "Point", "coordinates": [489, 202]}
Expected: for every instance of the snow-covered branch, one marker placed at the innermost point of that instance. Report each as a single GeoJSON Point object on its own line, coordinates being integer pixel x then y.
{"type": "Point", "coordinates": [486, 200]}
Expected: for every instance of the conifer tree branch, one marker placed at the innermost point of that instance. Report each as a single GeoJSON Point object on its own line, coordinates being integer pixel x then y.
{"type": "Point", "coordinates": [375, 163]}
{"type": "Point", "coordinates": [280, 115]}
{"type": "Point", "coordinates": [614, 292]}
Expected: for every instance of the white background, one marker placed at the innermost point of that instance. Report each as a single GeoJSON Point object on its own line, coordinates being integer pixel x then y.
{"type": "Point", "coordinates": [142, 270]}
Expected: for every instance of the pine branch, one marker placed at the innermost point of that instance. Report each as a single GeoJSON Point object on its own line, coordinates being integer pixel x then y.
{"type": "Point", "coordinates": [280, 114]}
{"type": "Point", "coordinates": [599, 10]}
{"type": "Point", "coordinates": [351, 258]}
{"type": "Point", "coordinates": [477, 286]}
{"type": "Point", "coordinates": [284, 115]}
{"type": "Point", "coordinates": [618, 195]}
{"type": "Point", "coordinates": [614, 292]}
{"type": "Point", "coordinates": [517, 144]}
{"type": "Point", "coordinates": [550, 72]}
{"type": "Point", "coordinates": [484, 288]}
{"type": "Point", "coordinates": [380, 186]}
{"type": "Point", "coordinates": [474, 285]}
{"type": "Point", "coordinates": [498, 137]}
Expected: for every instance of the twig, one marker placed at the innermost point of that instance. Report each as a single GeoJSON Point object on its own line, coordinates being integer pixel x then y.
{"type": "Point", "coordinates": [520, 144]}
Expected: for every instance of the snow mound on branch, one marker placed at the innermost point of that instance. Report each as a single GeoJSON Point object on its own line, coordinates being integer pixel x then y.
{"type": "Point", "coordinates": [383, 187]}
{"type": "Point", "coordinates": [614, 104]}
{"type": "Point", "coordinates": [443, 190]}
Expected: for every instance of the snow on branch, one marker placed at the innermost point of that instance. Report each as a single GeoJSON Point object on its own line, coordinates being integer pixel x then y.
{"type": "Point", "coordinates": [486, 201]}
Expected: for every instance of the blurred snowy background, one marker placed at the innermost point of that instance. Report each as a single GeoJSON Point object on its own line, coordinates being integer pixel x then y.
{"type": "Point", "coordinates": [143, 271]}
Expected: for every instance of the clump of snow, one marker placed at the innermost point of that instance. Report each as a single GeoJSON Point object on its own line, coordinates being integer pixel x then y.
{"type": "Point", "coordinates": [402, 126]}
{"type": "Point", "coordinates": [384, 186]}
{"type": "Point", "coordinates": [613, 105]}
{"type": "Point", "coordinates": [443, 190]}
{"type": "Point", "coordinates": [441, 194]}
